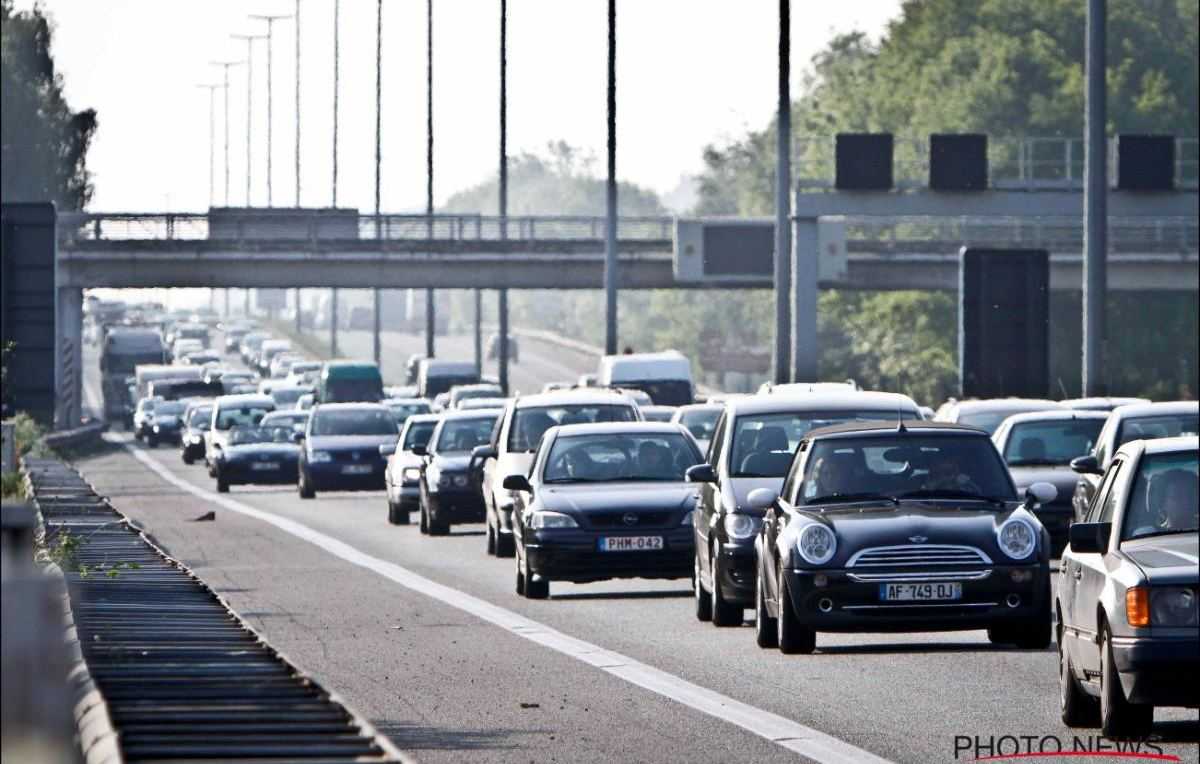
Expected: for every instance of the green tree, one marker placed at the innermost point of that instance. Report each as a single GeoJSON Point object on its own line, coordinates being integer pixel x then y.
{"type": "Point", "coordinates": [44, 144]}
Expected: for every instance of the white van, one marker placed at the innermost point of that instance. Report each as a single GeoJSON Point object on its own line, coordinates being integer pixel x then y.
{"type": "Point", "coordinates": [666, 377]}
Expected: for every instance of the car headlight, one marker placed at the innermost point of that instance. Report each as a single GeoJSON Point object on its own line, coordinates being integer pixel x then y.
{"type": "Point", "coordinates": [320, 457]}
{"type": "Point", "coordinates": [156, 428]}
{"type": "Point", "coordinates": [687, 518]}
{"type": "Point", "coordinates": [1173, 606]}
{"type": "Point", "coordinates": [411, 475]}
{"type": "Point", "coordinates": [461, 481]}
{"type": "Point", "coordinates": [551, 520]}
{"type": "Point", "coordinates": [196, 440]}
{"type": "Point", "coordinates": [817, 544]}
{"type": "Point", "coordinates": [739, 526]}
{"type": "Point", "coordinates": [1017, 538]}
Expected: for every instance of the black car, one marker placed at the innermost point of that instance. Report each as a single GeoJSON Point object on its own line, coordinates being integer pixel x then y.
{"type": "Point", "coordinates": [1038, 447]}
{"type": "Point", "coordinates": [341, 448]}
{"type": "Point", "coordinates": [901, 527]}
{"type": "Point", "coordinates": [196, 421]}
{"type": "Point", "coordinates": [752, 448]}
{"type": "Point", "coordinates": [449, 490]}
{"type": "Point", "coordinates": [1128, 618]}
{"type": "Point", "coordinates": [166, 424]}
{"type": "Point", "coordinates": [257, 456]}
{"type": "Point", "coordinates": [604, 501]}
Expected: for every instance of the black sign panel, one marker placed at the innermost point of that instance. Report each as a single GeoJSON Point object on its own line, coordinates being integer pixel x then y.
{"type": "Point", "coordinates": [1004, 323]}
{"type": "Point", "coordinates": [958, 162]}
{"type": "Point", "coordinates": [27, 242]}
{"type": "Point", "coordinates": [739, 249]}
{"type": "Point", "coordinates": [864, 161]}
{"type": "Point", "coordinates": [1146, 162]}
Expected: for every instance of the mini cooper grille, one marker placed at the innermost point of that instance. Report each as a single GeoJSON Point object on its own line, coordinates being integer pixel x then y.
{"type": "Point", "coordinates": [618, 519]}
{"type": "Point", "coordinates": [917, 555]}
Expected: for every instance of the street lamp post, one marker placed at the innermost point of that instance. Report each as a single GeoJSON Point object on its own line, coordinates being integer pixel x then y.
{"type": "Point", "coordinates": [249, 38]}
{"type": "Point", "coordinates": [375, 340]}
{"type": "Point", "coordinates": [270, 19]}
{"type": "Point", "coordinates": [430, 313]}
{"type": "Point", "coordinates": [610, 228]}
{"type": "Point", "coordinates": [212, 140]}
{"type": "Point", "coordinates": [502, 307]}
{"type": "Point", "coordinates": [225, 85]}
{"type": "Point", "coordinates": [1095, 202]}
{"type": "Point", "coordinates": [333, 296]}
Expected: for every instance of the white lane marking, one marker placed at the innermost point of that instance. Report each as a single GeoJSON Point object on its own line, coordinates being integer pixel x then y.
{"type": "Point", "coordinates": [785, 732]}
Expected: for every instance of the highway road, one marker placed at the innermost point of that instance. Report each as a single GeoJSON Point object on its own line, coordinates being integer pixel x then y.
{"type": "Point", "coordinates": [425, 637]}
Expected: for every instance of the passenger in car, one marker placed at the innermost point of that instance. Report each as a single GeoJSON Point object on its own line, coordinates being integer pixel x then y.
{"type": "Point", "coordinates": [771, 453]}
{"type": "Point", "coordinates": [654, 461]}
{"type": "Point", "coordinates": [1176, 489]}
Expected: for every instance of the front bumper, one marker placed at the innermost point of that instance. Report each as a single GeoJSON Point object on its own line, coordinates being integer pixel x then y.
{"type": "Point", "coordinates": [241, 473]}
{"type": "Point", "coordinates": [329, 476]}
{"type": "Point", "coordinates": [406, 497]}
{"type": "Point", "coordinates": [574, 555]}
{"type": "Point", "coordinates": [1159, 671]}
{"type": "Point", "coordinates": [456, 506]}
{"type": "Point", "coordinates": [845, 604]}
{"type": "Point", "coordinates": [193, 450]}
{"type": "Point", "coordinates": [736, 571]}
{"type": "Point", "coordinates": [166, 435]}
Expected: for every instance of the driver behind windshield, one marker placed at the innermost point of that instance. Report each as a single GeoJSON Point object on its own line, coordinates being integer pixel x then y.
{"type": "Point", "coordinates": [1170, 504]}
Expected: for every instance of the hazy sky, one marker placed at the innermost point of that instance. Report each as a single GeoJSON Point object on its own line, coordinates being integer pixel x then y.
{"type": "Point", "coordinates": [689, 72]}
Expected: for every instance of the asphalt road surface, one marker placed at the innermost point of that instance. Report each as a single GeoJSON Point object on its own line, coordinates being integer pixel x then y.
{"type": "Point", "coordinates": [425, 637]}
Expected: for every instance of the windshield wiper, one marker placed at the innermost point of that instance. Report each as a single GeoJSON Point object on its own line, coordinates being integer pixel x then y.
{"type": "Point", "coordinates": [834, 498]}
{"type": "Point", "coordinates": [950, 493]}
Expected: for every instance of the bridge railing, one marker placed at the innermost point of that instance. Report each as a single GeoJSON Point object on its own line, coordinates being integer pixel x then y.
{"type": "Point", "coordinates": [195, 226]}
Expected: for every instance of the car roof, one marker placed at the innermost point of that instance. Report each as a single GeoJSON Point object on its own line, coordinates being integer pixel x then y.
{"type": "Point", "coordinates": [1151, 409]}
{"type": "Point", "coordinates": [1098, 402]}
{"type": "Point", "coordinates": [1007, 404]}
{"type": "Point", "coordinates": [1178, 444]}
{"type": "Point", "coordinates": [450, 368]}
{"type": "Point", "coordinates": [699, 407]}
{"type": "Point", "coordinates": [820, 401]}
{"type": "Point", "coordinates": [457, 414]}
{"type": "Point", "coordinates": [356, 406]}
{"type": "Point", "coordinates": [1049, 415]}
{"type": "Point", "coordinates": [418, 418]}
{"type": "Point", "coordinates": [403, 401]}
{"type": "Point", "coordinates": [588, 397]}
{"type": "Point", "coordinates": [920, 427]}
{"type": "Point", "coordinates": [245, 399]}
{"type": "Point", "coordinates": [611, 428]}
{"type": "Point", "coordinates": [475, 386]}
{"type": "Point", "coordinates": [286, 413]}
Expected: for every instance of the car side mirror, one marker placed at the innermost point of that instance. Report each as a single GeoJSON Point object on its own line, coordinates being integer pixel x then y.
{"type": "Point", "coordinates": [298, 437]}
{"type": "Point", "coordinates": [1089, 538]}
{"type": "Point", "coordinates": [483, 453]}
{"type": "Point", "coordinates": [700, 473]}
{"type": "Point", "coordinates": [420, 450]}
{"type": "Point", "coordinates": [1086, 465]}
{"type": "Point", "coordinates": [761, 498]}
{"type": "Point", "coordinates": [1040, 493]}
{"type": "Point", "coordinates": [517, 483]}
{"type": "Point", "coordinates": [387, 449]}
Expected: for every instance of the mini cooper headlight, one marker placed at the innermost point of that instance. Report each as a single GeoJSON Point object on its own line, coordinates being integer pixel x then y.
{"type": "Point", "coordinates": [817, 544]}
{"type": "Point", "coordinates": [541, 520]}
{"type": "Point", "coordinates": [411, 475]}
{"type": "Point", "coordinates": [1173, 606]}
{"type": "Point", "coordinates": [739, 526]}
{"type": "Point", "coordinates": [320, 457]}
{"type": "Point", "coordinates": [1017, 538]}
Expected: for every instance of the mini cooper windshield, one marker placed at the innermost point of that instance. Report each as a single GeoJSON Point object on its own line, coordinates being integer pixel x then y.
{"type": "Point", "coordinates": [1165, 497]}
{"type": "Point", "coordinates": [660, 457]}
{"type": "Point", "coordinates": [763, 444]}
{"type": "Point", "coordinates": [905, 467]}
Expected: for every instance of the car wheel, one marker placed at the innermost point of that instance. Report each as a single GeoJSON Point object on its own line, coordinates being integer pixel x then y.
{"type": "Point", "coordinates": [394, 514]}
{"type": "Point", "coordinates": [534, 590]}
{"type": "Point", "coordinates": [187, 458]}
{"type": "Point", "coordinates": [766, 632]}
{"type": "Point", "coordinates": [1001, 635]}
{"type": "Point", "coordinates": [793, 637]}
{"type": "Point", "coordinates": [491, 538]}
{"type": "Point", "coordinates": [724, 613]}
{"type": "Point", "coordinates": [222, 485]}
{"type": "Point", "coordinates": [424, 521]}
{"type": "Point", "coordinates": [703, 601]}
{"type": "Point", "coordinates": [1078, 708]}
{"type": "Point", "coordinates": [1118, 717]}
{"type": "Point", "coordinates": [305, 488]}
{"type": "Point", "coordinates": [1034, 634]}
{"type": "Point", "coordinates": [505, 546]}
{"type": "Point", "coordinates": [151, 441]}
{"type": "Point", "coordinates": [520, 576]}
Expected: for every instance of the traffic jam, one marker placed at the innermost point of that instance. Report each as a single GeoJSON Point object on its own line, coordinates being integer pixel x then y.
{"type": "Point", "coordinates": [821, 507]}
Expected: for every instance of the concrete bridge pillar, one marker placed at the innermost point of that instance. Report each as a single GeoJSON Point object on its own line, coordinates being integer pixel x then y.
{"type": "Point", "coordinates": [805, 256]}
{"type": "Point", "coordinates": [68, 357]}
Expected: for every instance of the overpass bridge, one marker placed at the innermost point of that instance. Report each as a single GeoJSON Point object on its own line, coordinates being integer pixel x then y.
{"type": "Point", "coordinates": [567, 252]}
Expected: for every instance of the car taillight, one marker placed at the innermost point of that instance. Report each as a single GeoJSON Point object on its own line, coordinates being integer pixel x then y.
{"type": "Point", "coordinates": [1137, 606]}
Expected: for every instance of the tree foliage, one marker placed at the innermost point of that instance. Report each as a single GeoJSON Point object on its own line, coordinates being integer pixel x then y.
{"type": "Point", "coordinates": [44, 143]}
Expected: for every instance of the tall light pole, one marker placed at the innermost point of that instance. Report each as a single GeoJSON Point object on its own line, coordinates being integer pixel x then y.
{"type": "Point", "coordinates": [249, 38]}
{"type": "Point", "coordinates": [333, 296]}
{"type": "Point", "coordinates": [430, 315]}
{"type": "Point", "coordinates": [502, 307]}
{"type": "Point", "coordinates": [225, 84]}
{"type": "Point", "coordinates": [610, 228]}
{"type": "Point", "coordinates": [212, 140]}
{"type": "Point", "coordinates": [783, 205]}
{"type": "Point", "coordinates": [270, 19]}
{"type": "Point", "coordinates": [297, 134]}
{"type": "Point", "coordinates": [1095, 202]}
{"type": "Point", "coordinates": [375, 342]}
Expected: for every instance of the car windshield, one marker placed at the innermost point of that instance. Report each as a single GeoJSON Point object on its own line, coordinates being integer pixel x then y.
{"type": "Point", "coordinates": [763, 444]}
{"type": "Point", "coordinates": [529, 424]}
{"type": "Point", "coordinates": [353, 389]}
{"type": "Point", "coordinates": [402, 411]}
{"type": "Point", "coordinates": [418, 435]}
{"type": "Point", "coordinates": [1165, 497]}
{"type": "Point", "coordinates": [486, 391]}
{"type": "Point", "coordinates": [1161, 426]}
{"type": "Point", "coordinates": [241, 416]}
{"type": "Point", "coordinates": [1050, 442]}
{"type": "Point", "coordinates": [354, 422]}
{"type": "Point", "coordinates": [436, 384]}
{"type": "Point", "coordinates": [656, 457]}
{"type": "Point", "coordinates": [288, 396]}
{"type": "Point", "coordinates": [200, 418]}
{"type": "Point", "coordinates": [905, 466]}
{"type": "Point", "coordinates": [658, 414]}
{"type": "Point", "coordinates": [295, 421]}
{"type": "Point", "coordinates": [241, 436]}
{"type": "Point", "coordinates": [988, 421]}
{"type": "Point", "coordinates": [464, 434]}
{"type": "Point", "coordinates": [665, 392]}
{"type": "Point", "coordinates": [170, 408]}
{"type": "Point", "coordinates": [701, 422]}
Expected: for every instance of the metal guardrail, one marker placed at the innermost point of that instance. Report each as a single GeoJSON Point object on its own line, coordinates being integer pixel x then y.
{"type": "Point", "coordinates": [181, 676]}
